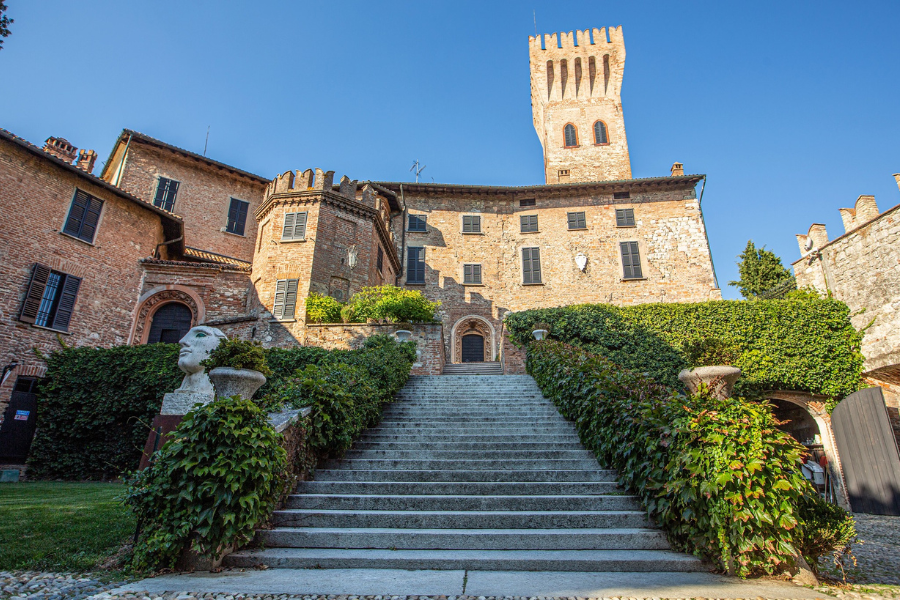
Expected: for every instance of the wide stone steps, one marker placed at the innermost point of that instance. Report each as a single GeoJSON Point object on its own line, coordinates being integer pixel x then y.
{"type": "Point", "coordinates": [483, 368]}
{"type": "Point", "coordinates": [465, 472]}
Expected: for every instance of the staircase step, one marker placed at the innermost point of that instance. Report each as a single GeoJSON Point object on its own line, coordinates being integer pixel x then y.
{"type": "Point", "coordinates": [413, 436]}
{"type": "Point", "coordinates": [464, 539]}
{"type": "Point", "coordinates": [429, 445]}
{"type": "Point", "coordinates": [462, 519]}
{"type": "Point", "coordinates": [472, 560]}
{"type": "Point", "coordinates": [484, 488]}
{"type": "Point", "coordinates": [461, 464]}
{"type": "Point", "coordinates": [503, 475]}
{"type": "Point", "coordinates": [460, 503]}
{"type": "Point", "coordinates": [484, 453]}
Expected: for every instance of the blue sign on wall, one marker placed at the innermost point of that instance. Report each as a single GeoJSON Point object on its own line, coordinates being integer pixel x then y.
{"type": "Point", "coordinates": [22, 415]}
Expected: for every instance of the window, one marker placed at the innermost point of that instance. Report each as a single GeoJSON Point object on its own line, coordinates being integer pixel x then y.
{"type": "Point", "coordinates": [563, 172]}
{"type": "Point", "coordinates": [570, 135]}
{"type": "Point", "coordinates": [50, 298]}
{"type": "Point", "coordinates": [294, 226]}
{"type": "Point", "coordinates": [631, 260]}
{"type": "Point", "coordinates": [621, 195]}
{"type": "Point", "coordinates": [527, 202]}
{"type": "Point", "coordinates": [84, 214]}
{"type": "Point", "coordinates": [472, 274]}
{"type": "Point", "coordinates": [600, 134]}
{"type": "Point", "coordinates": [529, 223]}
{"type": "Point", "coordinates": [285, 298]}
{"type": "Point", "coordinates": [166, 190]}
{"type": "Point", "coordinates": [237, 216]}
{"type": "Point", "coordinates": [415, 265]}
{"type": "Point", "coordinates": [379, 263]}
{"type": "Point", "coordinates": [531, 265]}
{"type": "Point", "coordinates": [624, 217]}
{"type": "Point", "coordinates": [417, 223]}
{"type": "Point", "coordinates": [576, 220]}
{"type": "Point", "coordinates": [471, 224]}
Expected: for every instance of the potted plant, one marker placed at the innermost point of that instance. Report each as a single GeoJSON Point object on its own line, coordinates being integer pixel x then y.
{"type": "Point", "coordinates": [237, 368]}
{"type": "Point", "coordinates": [710, 358]}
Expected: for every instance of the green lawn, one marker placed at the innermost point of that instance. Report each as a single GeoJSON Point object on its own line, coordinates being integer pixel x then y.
{"type": "Point", "coordinates": [61, 526]}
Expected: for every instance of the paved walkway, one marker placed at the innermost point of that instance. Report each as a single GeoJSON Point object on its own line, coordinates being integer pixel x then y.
{"type": "Point", "coordinates": [388, 583]}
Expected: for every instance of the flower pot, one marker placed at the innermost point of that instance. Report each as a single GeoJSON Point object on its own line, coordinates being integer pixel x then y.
{"type": "Point", "coordinates": [236, 382]}
{"type": "Point", "coordinates": [539, 334]}
{"type": "Point", "coordinates": [403, 335]}
{"type": "Point", "coordinates": [720, 379]}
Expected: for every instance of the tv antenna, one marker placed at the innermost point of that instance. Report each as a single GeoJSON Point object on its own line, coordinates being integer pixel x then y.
{"type": "Point", "coordinates": [417, 169]}
{"type": "Point", "coordinates": [206, 143]}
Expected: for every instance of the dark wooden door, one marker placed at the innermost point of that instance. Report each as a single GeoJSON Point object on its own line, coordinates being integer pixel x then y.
{"type": "Point", "coordinates": [19, 422]}
{"type": "Point", "coordinates": [868, 453]}
{"type": "Point", "coordinates": [472, 348]}
{"type": "Point", "coordinates": [170, 323]}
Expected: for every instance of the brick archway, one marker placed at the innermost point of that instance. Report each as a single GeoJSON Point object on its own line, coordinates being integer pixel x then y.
{"type": "Point", "coordinates": [154, 302]}
{"type": "Point", "coordinates": [472, 324]}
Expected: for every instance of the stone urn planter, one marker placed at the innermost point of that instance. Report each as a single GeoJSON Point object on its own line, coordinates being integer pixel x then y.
{"type": "Point", "coordinates": [540, 334]}
{"type": "Point", "coordinates": [403, 335]}
{"type": "Point", "coordinates": [236, 382]}
{"type": "Point", "coordinates": [720, 379]}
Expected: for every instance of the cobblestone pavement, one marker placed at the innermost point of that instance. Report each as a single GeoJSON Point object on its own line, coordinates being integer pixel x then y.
{"type": "Point", "coordinates": [50, 586]}
{"type": "Point", "coordinates": [877, 553]}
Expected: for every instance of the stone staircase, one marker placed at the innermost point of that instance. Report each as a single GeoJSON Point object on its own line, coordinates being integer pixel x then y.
{"type": "Point", "coordinates": [473, 368]}
{"type": "Point", "coordinates": [466, 472]}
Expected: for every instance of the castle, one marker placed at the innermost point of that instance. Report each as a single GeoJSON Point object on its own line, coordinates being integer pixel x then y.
{"type": "Point", "coordinates": [164, 238]}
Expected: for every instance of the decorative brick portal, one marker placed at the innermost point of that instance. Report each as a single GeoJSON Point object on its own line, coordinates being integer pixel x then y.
{"type": "Point", "coordinates": [154, 303]}
{"type": "Point", "coordinates": [473, 325]}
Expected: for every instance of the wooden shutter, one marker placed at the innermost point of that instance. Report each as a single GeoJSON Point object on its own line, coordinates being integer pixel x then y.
{"type": "Point", "coordinates": [76, 213]}
{"type": "Point", "coordinates": [528, 223]}
{"type": "Point", "coordinates": [278, 307]}
{"type": "Point", "coordinates": [571, 138]}
{"type": "Point", "coordinates": [288, 231]}
{"type": "Point", "coordinates": [476, 224]}
{"type": "Point", "coordinates": [531, 265]}
{"type": "Point", "coordinates": [631, 260]}
{"type": "Point", "coordinates": [91, 218]}
{"type": "Point", "coordinates": [600, 133]}
{"type": "Point", "coordinates": [415, 265]}
{"type": "Point", "coordinates": [476, 273]}
{"type": "Point", "coordinates": [576, 220]}
{"type": "Point", "coordinates": [66, 304]}
{"type": "Point", "coordinates": [299, 226]}
{"type": "Point", "coordinates": [32, 304]}
{"type": "Point", "coordinates": [379, 264]}
{"type": "Point", "coordinates": [467, 274]}
{"type": "Point", "coordinates": [290, 299]}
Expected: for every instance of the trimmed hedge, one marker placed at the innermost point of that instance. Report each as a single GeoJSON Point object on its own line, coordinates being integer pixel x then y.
{"type": "Point", "coordinates": [95, 407]}
{"type": "Point", "coordinates": [717, 475]}
{"type": "Point", "coordinates": [808, 345]}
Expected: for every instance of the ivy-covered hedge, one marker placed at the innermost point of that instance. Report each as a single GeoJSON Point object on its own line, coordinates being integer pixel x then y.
{"type": "Point", "coordinates": [95, 407]}
{"type": "Point", "coordinates": [717, 475]}
{"type": "Point", "coordinates": [808, 345]}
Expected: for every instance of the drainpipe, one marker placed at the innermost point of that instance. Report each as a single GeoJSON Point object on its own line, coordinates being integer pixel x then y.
{"type": "Point", "coordinates": [706, 232]}
{"type": "Point", "coordinates": [122, 167]}
{"type": "Point", "coordinates": [402, 236]}
{"type": "Point", "coordinates": [166, 243]}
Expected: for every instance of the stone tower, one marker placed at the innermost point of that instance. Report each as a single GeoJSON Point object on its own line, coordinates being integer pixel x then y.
{"type": "Point", "coordinates": [576, 100]}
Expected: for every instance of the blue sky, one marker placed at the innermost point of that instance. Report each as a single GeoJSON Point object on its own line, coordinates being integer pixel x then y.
{"type": "Point", "coordinates": [790, 108]}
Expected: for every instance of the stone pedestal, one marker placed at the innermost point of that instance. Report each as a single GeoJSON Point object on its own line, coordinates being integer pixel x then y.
{"type": "Point", "coordinates": [719, 379]}
{"type": "Point", "coordinates": [181, 403]}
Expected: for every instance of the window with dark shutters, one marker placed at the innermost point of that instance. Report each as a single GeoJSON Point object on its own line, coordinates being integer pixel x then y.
{"type": "Point", "coordinates": [576, 220]}
{"type": "Point", "coordinates": [571, 136]}
{"type": "Point", "coordinates": [379, 263]}
{"type": "Point", "coordinates": [166, 190]}
{"type": "Point", "coordinates": [294, 226]}
{"type": "Point", "coordinates": [415, 265]}
{"type": "Point", "coordinates": [600, 134]}
{"type": "Point", "coordinates": [529, 223]}
{"type": "Point", "coordinates": [84, 214]}
{"type": "Point", "coordinates": [624, 217]}
{"type": "Point", "coordinates": [531, 265]}
{"type": "Point", "coordinates": [285, 299]}
{"type": "Point", "coordinates": [471, 224]}
{"type": "Point", "coordinates": [50, 298]}
{"type": "Point", "coordinates": [631, 260]}
{"type": "Point", "coordinates": [237, 216]}
{"type": "Point", "coordinates": [472, 274]}
{"type": "Point", "coordinates": [527, 202]}
{"type": "Point", "coordinates": [417, 223]}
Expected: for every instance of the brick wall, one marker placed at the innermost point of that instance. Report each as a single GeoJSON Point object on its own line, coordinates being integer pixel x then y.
{"type": "Point", "coordinates": [428, 338]}
{"type": "Point", "coordinates": [35, 196]}
{"type": "Point", "coordinates": [203, 199]}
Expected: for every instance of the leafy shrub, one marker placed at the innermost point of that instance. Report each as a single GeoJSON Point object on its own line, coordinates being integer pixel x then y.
{"type": "Point", "coordinates": [825, 529]}
{"type": "Point", "coordinates": [807, 345]}
{"type": "Point", "coordinates": [283, 362]}
{"type": "Point", "coordinates": [95, 406]}
{"type": "Point", "coordinates": [717, 475]}
{"type": "Point", "coordinates": [238, 354]}
{"type": "Point", "coordinates": [323, 309]}
{"type": "Point", "coordinates": [347, 315]}
{"type": "Point", "coordinates": [210, 485]}
{"type": "Point", "coordinates": [710, 351]}
{"type": "Point", "coordinates": [395, 304]}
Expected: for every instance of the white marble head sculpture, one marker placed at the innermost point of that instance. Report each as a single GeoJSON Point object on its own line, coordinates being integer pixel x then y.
{"type": "Point", "coordinates": [195, 347]}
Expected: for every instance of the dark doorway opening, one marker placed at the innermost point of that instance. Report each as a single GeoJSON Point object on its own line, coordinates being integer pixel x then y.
{"type": "Point", "coordinates": [170, 323]}
{"type": "Point", "coordinates": [19, 422]}
{"type": "Point", "coordinates": [472, 348]}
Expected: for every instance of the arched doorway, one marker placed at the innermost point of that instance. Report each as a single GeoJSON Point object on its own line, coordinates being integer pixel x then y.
{"type": "Point", "coordinates": [170, 322]}
{"type": "Point", "coordinates": [473, 348]}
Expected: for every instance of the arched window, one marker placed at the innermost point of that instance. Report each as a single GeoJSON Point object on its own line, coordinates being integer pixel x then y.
{"type": "Point", "coordinates": [170, 323]}
{"type": "Point", "coordinates": [570, 135]}
{"type": "Point", "coordinates": [600, 135]}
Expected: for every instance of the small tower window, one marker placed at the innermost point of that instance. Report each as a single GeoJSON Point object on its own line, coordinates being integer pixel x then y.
{"type": "Point", "coordinates": [571, 136]}
{"type": "Point", "coordinates": [600, 135]}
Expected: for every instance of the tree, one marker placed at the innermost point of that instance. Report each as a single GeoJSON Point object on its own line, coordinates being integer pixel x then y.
{"type": "Point", "coordinates": [5, 22]}
{"type": "Point", "coordinates": [762, 274]}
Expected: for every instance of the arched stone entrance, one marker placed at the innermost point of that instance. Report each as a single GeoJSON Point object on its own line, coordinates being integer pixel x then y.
{"type": "Point", "coordinates": [472, 328]}
{"type": "Point", "coordinates": [170, 323]}
{"type": "Point", "coordinates": [156, 300]}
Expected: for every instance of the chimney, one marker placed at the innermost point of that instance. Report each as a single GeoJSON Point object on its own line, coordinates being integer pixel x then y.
{"type": "Point", "coordinates": [677, 169]}
{"type": "Point", "coordinates": [86, 160]}
{"type": "Point", "coordinates": [60, 148]}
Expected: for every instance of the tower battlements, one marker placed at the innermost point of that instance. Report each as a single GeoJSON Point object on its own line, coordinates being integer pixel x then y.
{"type": "Point", "coordinates": [579, 64]}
